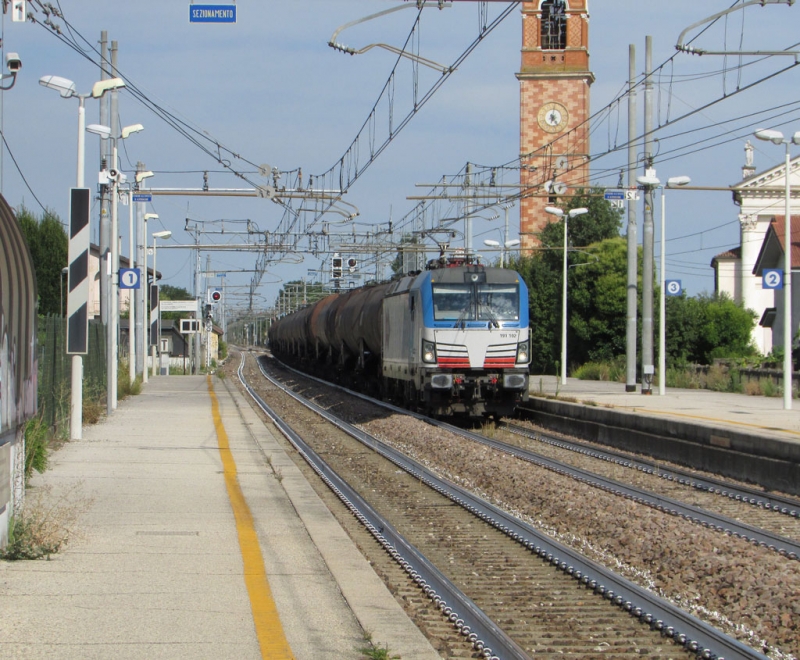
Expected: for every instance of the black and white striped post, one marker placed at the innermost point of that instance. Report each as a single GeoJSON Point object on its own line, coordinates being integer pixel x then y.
{"type": "Point", "coordinates": [78, 301]}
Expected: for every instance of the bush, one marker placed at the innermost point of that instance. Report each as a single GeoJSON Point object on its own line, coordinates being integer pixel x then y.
{"type": "Point", "coordinates": [44, 525]}
{"type": "Point", "coordinates": [608, 371]}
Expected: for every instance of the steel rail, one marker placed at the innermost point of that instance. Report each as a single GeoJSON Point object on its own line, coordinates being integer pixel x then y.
{"type": "Point", "coordinates": [695, 635]}
{"type": "Point", "coordinates": [776, 503]}
{"type": "Point", "coordinates": [484, 634]}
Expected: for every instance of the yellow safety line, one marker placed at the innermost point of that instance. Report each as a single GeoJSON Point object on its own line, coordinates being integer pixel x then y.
{"type": "Point", "coordinates": [721, 421]}
{"type": "Point", "coordinates": [269, 631]}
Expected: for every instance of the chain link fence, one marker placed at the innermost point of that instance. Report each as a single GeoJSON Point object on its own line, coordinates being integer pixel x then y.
{"type": "Point", "coordinates": [55, 370]}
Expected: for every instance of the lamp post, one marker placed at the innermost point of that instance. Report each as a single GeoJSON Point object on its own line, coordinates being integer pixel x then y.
{"type": "Point", "coordinates": [505, 246]}
{"type": "Point", "coordinates": [559, 213]}
{"type": "Point", "coordinates": [776, 137]}
{"type": "Point", "coordinates": [146, 297]}
{"type": "Point", "coordinates": [112, 331]}
{"type": "Point", "coordinates": [672, 182]}
{"type": "Point", "coordinates": [140, 176]}
{"type": "Point", "coordinates": [66, 88]}
{"type": "Point", "coordinates": [154, 319]}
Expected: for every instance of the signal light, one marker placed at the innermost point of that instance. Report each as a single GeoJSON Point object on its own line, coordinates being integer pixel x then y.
{"type": "Point", "coordinates": [214, 296]}
{"type": "Point", "coordinates": [336, 267]}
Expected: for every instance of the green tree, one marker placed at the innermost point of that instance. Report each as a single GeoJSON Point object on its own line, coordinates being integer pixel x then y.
{"type": "Point", "coordinates": [48, 243]}
{"type": "Point", "coordinates": [598, 266]}
{"type": "Point", "coordinates": [597, 285]}
{"type": "Point", "coordinates": [705, 327]}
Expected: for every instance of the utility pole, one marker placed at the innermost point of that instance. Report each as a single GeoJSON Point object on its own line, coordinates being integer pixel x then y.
{"type": "Point", "coordinates": [200, 302]}
{"type": "Point", "coordinates": [648, 367]}
{"type": "Point", "coordinates": [105, 226]}
{"type": "Point", "coordinates": [112, 328]}
{"type": "Point", "coordinates": [633, 246]}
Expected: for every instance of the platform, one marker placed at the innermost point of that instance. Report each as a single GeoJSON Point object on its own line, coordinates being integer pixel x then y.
{"type": "Point", "coordinates": [200, 538]}
{"type": "Point", "coordinates": [744, 437]}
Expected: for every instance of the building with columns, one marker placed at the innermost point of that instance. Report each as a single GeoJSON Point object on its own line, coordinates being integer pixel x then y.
{"type": "Point", "coordinates": [554, 108]}
{"type": "Point", "coordinates": [761, 198]}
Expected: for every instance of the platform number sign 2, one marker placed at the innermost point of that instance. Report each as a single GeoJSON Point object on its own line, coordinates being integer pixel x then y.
{"type": "Point", "coordinates": [772, 279]}
{"type": "Point", "coordinates": [673, 287]}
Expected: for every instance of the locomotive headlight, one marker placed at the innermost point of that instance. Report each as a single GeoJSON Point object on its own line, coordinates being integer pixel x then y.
{"type": "Point", "coordinates": [523, 357]}
{"type": "Point", "coordinates": [428, 351]}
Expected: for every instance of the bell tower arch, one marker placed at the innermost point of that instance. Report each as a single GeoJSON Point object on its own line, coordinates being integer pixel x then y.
{"type": "Point", "coordinates": [554, 106]}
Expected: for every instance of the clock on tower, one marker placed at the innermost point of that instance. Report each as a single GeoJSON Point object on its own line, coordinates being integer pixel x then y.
{"type": "Point", "coordinates": [554, 106]}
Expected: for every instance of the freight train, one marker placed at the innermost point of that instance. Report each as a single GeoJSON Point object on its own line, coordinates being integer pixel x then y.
{"type": "Point", "coordinates": [449, 340]}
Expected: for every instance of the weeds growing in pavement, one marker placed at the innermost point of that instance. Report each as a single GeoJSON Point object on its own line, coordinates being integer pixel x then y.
{"type": "Point", "coordinates": [37, 442]}
{"type": "Point", "coordinates": [373, 652]}
{"type": "Point", "coordinates": [45, 523]}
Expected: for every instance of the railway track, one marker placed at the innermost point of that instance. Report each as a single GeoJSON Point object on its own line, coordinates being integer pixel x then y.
{"type": "Point", "coordinates": [773, 513]}
{"type": "Point", "coordinates": [548, 598]}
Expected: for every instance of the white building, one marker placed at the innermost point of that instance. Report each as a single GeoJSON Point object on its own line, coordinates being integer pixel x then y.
{"type": "Point", "coordinates": [761, 198]}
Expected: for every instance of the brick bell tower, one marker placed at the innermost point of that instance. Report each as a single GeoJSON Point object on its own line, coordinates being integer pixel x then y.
{"type": "Point", "coordinates": [554, 108]}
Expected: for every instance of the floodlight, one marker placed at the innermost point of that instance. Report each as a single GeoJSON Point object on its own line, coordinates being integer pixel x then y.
{"type": "Point", "coordinates": [99, 129]}
{"type": "Point", "coordinates": [128, 130]}
{"type": "Point", "coordinates": [102, 86]}
{"type": "Point", "coordinates": [647, 180]}
{"type": "Point", "coordinates": [767, 134]}
{"type": "Point", "coordinates": [63, 86]}
{"type": "Point", "coordinates": [678, 181]}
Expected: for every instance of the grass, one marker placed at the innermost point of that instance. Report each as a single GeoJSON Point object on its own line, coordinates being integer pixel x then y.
{"type": "Point", "coordinates": [37, 443]}
{"type": "Point", "coordinates": [45, 524]}
{"type": "Point", "coordinates": [373, 651]}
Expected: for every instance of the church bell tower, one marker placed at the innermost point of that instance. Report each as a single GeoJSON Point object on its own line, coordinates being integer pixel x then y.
{"type": "Point", "coordinates": [554, 108]}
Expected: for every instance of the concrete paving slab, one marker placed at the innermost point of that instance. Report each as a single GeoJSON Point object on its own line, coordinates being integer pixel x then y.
{"type": "Point", "coordinates": [158, 570]}
{"type": "Point", "coordinates": [758, 415]}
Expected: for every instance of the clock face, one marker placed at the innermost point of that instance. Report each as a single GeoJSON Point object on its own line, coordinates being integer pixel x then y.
{"type": "Point", "coordinates": [553, 117]}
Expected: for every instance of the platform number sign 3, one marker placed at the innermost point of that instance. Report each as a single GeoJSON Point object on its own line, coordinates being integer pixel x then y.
{"type": "Point", "coordinates": [673, 287]}
{"type": "Point", "coordinates": [772, 279]}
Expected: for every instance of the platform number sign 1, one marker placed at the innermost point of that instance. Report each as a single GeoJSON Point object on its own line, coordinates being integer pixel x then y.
{"type": "Point", "coordinates": [772, 278]}
{"type": "Point", "coordinates": [673, 287]}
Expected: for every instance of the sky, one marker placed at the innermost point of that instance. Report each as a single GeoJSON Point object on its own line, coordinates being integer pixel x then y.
{"type": "Point", "coordinates": [272, 92]}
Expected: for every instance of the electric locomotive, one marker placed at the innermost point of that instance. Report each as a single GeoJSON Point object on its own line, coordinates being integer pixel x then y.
{"type": "Point", "coordinates": [455, 340]}
{"type": "Point", "coordinates": [449, 340]}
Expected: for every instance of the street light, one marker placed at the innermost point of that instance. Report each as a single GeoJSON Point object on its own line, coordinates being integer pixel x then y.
{"type": "Point", "coordinates": [146, 298]}
{"type": "Point", "coordinates": [132, 316]}
{"type": "Point", "coordinates": [67, 90]}
{"type": "Point", "coordinates": [559, 213]}
{"type": "Point", "coordinates": [115, 177]}
{"type": "Point", "coordinates": [776, 137]}
{"type": "Point", "coordinates": [505, 246]}
{"type": "Point", "coordinates": [163, 235]}
{"type": "Point", "coordinates": [672, 182]}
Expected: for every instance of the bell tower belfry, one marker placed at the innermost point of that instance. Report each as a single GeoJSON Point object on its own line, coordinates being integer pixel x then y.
{"type": "Point", "coordinates": [554, 107]}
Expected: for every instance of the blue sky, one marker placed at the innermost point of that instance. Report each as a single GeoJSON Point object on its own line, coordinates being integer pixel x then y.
{"type": "Point", "coordinates": [269, 88]}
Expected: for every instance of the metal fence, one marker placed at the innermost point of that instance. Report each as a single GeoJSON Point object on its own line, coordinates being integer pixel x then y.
{"type": "Point", "coordinates": [55, 366]}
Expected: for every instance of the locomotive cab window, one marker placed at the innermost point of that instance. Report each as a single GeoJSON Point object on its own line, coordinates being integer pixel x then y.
{"type": "Point", "coordinates": [498, 302]}
{"type": "Point", "coordinates": [452, 302]}
{"type": "Point", "coordinates": [476, 302]}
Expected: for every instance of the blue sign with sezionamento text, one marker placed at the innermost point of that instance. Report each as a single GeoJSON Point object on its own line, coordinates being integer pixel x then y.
{"type": "Point", "coordinates": [212, 13]}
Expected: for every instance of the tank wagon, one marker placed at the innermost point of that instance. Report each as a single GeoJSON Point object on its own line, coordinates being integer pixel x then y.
{"type": "Point", "coordinates": [450, 340]}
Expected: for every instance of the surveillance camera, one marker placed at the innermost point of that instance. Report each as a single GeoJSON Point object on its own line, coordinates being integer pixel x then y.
{"type": "Point", "coordinates": [13, 62]}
